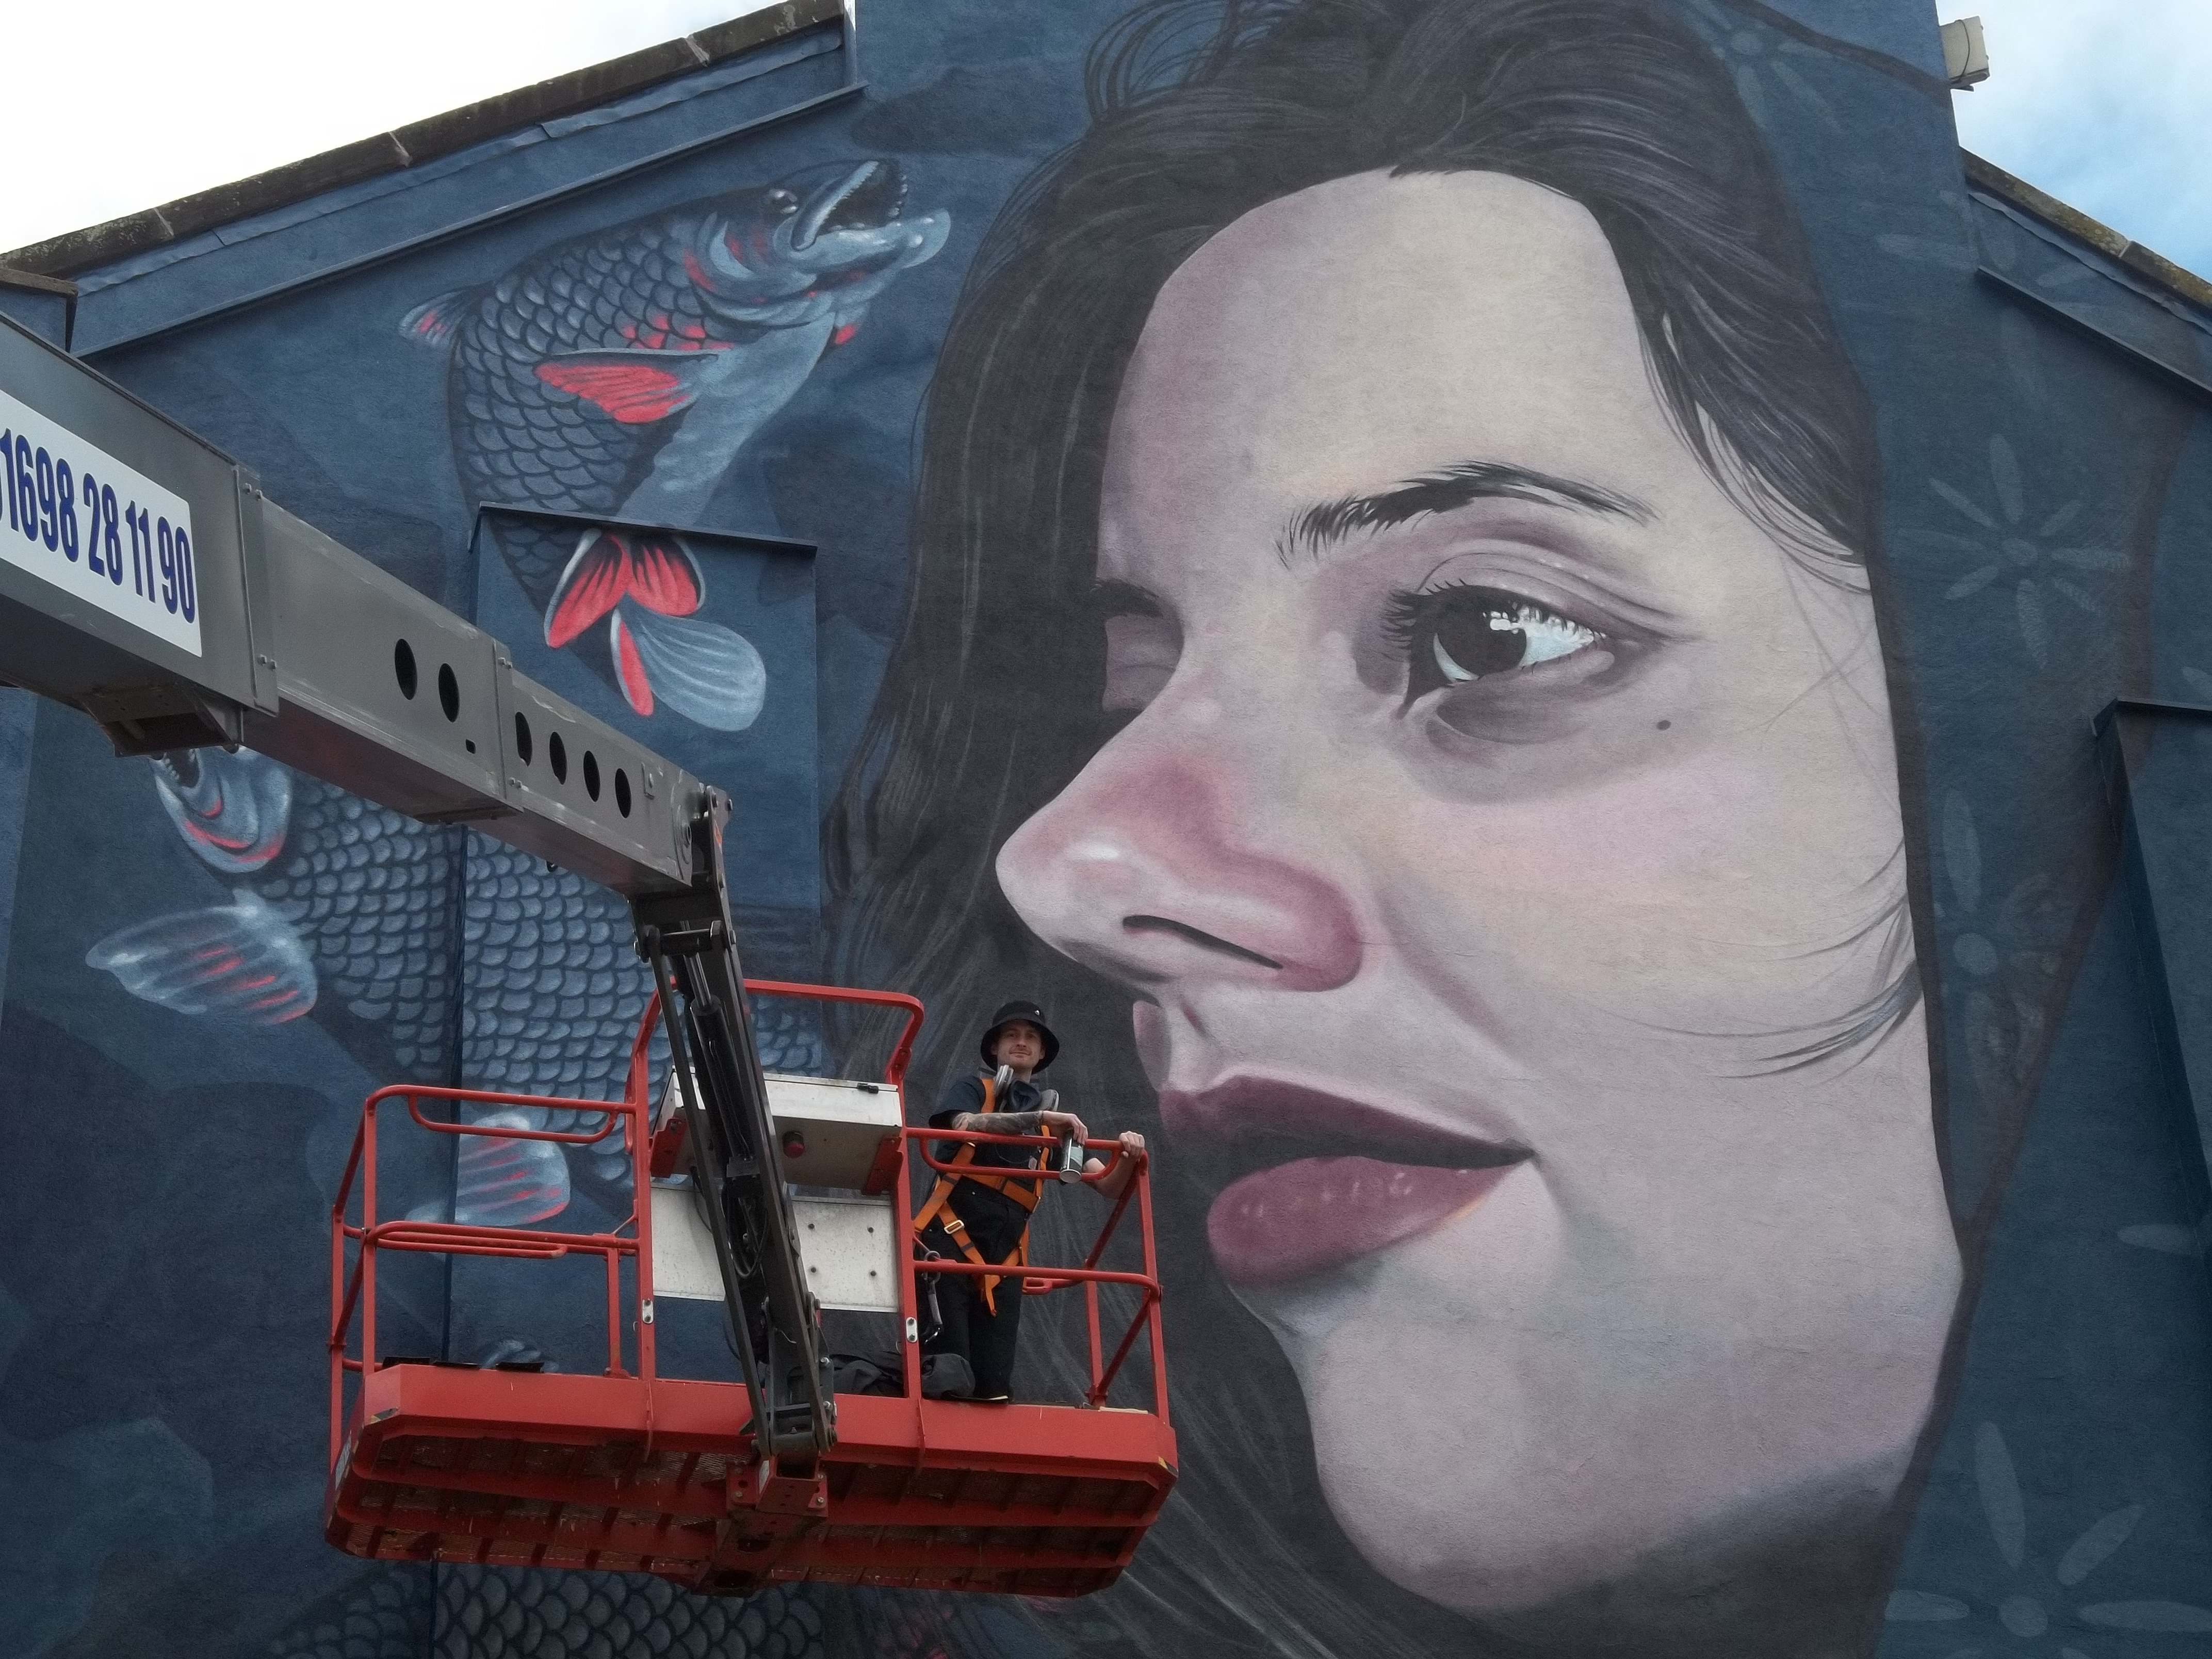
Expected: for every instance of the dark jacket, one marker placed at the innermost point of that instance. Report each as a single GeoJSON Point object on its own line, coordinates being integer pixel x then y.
{"type": "Point", "coordinates": [994, 1221]}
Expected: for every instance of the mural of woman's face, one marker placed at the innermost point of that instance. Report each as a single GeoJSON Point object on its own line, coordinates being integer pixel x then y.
{"type": "Point", "coordinates": [1504, 840]}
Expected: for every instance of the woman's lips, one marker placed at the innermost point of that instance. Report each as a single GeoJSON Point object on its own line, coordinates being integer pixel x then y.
{"type": "Point", "coordinates": [1311, 1180]}
{"type": "Point", "coordinates": [1316, 1213]}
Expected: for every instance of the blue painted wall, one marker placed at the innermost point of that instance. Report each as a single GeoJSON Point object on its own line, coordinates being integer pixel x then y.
{"type": "Point", "coordinates": [2032, 516]}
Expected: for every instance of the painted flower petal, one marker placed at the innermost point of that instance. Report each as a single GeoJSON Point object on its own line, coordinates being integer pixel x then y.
{"type": "Point", "coordinates": [1924, 1607]}
{"type": "Point", "coordinates": [1805, 93]}
{"type": "Point", "coordinates": [1964, 506]}
{"type": "Point", "coordinates": [2165, 1238]}
{"type": "Point", "coordinates": [1962, 850]}
{"type": "Point", "coordinates": [2147, 1615]}
{"type": "Point", "coordinates": [1754, 95]}
{"type": "Point", "coordinates": [2088, 1553]}
{"type": "Point", "coordinates": [1999, 1489]}
{"type": "Point", "coordinates": [2004, 473]}
{"type": "Point", "coordinates": [2064, 516]}
{"type": "Point", "coordinates": [2091, 558]}
{"type": "Point", "coordinates": [2032, 632]}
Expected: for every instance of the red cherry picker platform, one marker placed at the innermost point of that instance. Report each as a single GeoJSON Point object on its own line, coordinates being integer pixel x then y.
{"type": "Point", "coordinates": [636, 1472]}
{"type": "Point", "coordinates": [262, 631]}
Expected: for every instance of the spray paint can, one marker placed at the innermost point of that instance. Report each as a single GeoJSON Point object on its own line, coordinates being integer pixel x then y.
{"type": "Point", "coordinates": [1070, 1167]}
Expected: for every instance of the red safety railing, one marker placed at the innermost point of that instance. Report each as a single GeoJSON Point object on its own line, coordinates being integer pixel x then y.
{"type": "Point", "coordinates": [1037, 1282]}
{"type": "Point", "coordinates": [355, 1290]}
{"type": "Point", "coordinates": [894, 1068]}
{"type": "Point", "coordinates": [353, 1282]}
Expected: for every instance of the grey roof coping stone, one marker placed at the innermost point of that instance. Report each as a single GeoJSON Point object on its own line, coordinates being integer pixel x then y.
{"type": "Point", "coordinates": [2175, 279]}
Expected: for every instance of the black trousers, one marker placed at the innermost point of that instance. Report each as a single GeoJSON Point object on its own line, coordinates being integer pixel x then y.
{"type": "Point", "coordinates": [970, 1328]}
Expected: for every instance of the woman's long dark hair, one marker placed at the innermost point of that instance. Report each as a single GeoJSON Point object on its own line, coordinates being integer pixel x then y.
{"type": "Point", "coordinates": [990, 704]}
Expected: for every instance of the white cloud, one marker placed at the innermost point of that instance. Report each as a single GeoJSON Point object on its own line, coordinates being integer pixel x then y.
{"type": "Point", "coordinates": [112, 106]}
{"type": "Point", "coordinates": [2103, 103]}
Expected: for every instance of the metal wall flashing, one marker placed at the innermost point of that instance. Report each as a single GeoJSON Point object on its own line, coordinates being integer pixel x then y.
{"type": "Point", "coordinates": [2097, 259]}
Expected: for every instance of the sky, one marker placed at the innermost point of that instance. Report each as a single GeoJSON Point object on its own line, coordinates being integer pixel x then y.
{"type": "Point", "coordinates": [2103, 103]}
{"type": "Point", "coordinates": [151, 100]}
{"type": "Point", "coordinates": [2107, 105]}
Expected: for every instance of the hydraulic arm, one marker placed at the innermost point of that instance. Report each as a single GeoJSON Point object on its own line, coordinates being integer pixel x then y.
{"type": "Point", "coordinates": [730, 1135]}
{"type": "Point", "coordinates": [145, 579]}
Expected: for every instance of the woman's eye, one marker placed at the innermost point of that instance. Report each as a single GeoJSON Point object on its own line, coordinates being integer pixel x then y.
{"type": "Point", "coordinates": [1455, 635]}
{"type": "Point", "coordinates": [1141, 658]}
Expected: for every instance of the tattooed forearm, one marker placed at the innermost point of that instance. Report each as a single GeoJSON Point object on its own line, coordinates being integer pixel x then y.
{"type": "Point", "coordinates": [1000, 1123]}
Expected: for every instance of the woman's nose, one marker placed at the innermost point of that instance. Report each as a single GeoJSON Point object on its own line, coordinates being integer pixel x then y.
{"type": "Point", "coordinates": [1148, 866]}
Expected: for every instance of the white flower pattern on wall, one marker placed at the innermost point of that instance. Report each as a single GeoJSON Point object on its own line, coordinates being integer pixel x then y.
{"type": "Point", "coordinates": [2013, 545]}
{"type": "Point", "coordinates": [2034, 1596]}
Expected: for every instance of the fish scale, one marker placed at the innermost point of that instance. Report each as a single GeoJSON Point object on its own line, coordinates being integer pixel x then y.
{"type": "Point", "coordinates": [386, 1615]}
{"type": "Point", "coordinates": [370, 893]}
{"type": "Point", "coordinates": [522, 442]}
{"type": "Point", "coordinates": [513, 1613]}
{"type": "Point", "coordinates": [508, 1612]}
{"type": "Point", "coordinates": [551, 986]}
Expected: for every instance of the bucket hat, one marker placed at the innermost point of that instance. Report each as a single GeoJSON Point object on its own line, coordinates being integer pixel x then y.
{"type": "Point", "coordinates": [1008, 1014]}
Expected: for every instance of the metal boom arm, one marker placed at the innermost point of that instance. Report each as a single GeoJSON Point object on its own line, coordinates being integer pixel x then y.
{"type": "Point", "coordinates": [243, 625]}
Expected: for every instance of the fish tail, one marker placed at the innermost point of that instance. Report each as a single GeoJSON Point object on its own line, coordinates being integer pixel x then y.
{"type": "Point", "coordinates": [704, 671]}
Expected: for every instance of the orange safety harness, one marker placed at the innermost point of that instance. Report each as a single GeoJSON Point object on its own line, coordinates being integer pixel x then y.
{"type": "Point", "coordinates": [1024, 1193]}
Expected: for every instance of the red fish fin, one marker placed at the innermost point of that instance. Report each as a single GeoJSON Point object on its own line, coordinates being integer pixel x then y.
{"type": "Point", "coordinates": [845, 332]}
{"type": "Point", "coordinates": [597, 574]}
{"type": "Point", "coordinates": [656, 571]}
{"type": "Point", "coordinates": [433, 322]}
{"type": "Point", "coordinates": [635, 387]}
{"type": "Point", "coordinates": [663, 577]}
{"type": "Point", "coordinates": [630, 668]}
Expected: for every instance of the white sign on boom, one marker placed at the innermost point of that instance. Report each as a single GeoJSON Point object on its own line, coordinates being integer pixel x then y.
{"type": "Point", "coordinates": [80, 520]}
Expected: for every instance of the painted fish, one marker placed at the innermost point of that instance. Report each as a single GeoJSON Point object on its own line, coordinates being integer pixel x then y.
{"type": "Point", "coordinates": [342, 909]}
{"type": "Point", "coordinates": [618, 373]}
{"type": "Point", "coordinates": [328, 888]}
{"type": "Point", "coordinates": [353, 909]}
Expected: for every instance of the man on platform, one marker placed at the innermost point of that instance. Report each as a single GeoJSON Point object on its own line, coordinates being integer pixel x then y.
{"type": "Point", "coordinates": [983, 1217]}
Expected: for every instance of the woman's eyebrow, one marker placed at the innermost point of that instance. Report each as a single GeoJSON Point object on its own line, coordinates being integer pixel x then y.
{"type": "Point", "coordinates": [1315, 529]}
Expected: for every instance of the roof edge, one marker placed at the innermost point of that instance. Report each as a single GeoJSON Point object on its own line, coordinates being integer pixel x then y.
{"type": "Point", "coordinates": [436, 136]}
{"type": "Point", "coordinates": [2177, 280]}
{"type": "Point", "coordinates": [404, 147]}
{"type": "Point", "coordinates": [31, 282]}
